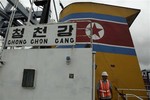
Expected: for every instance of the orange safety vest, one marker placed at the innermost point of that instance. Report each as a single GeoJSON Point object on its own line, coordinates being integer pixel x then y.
{"type": "Point", "coordinates": [104, 89]}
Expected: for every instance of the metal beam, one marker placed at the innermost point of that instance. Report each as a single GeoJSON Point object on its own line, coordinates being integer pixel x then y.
{"type": "Point", "coordinates": [45, 12]}
{"type": "Point", "coordinates": [6, 16]}
{"type": "Point", "coordinates": [1, 18]}
{"type": "Point", "coordinates": [8, 7]}
{"type": "Point", "coordinates": [18, 15]}
{"type": "Point", "coordinates": [3, 14]}
{"type": "Point", "coordinates": [22, 10]}
{"type": "Point", "coordinates": [38, 14]}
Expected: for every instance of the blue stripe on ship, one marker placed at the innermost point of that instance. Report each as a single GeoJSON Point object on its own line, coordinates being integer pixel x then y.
{"type": "Point", "coordinates": [112, 49]}
{"type": "Point", "coordinates": [94, 15]}
{"type": "Point", "coordinates": [105, 48]}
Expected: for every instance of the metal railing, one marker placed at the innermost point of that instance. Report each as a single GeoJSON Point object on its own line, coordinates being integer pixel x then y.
{"type": "Point", "coordinates": [132, 95]}
{"type": "Point", "coordinates": [129, 95]}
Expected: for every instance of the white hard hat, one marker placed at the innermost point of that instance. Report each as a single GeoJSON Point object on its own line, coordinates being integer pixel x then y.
{"type": "Point", "coordinates": [104, 73]}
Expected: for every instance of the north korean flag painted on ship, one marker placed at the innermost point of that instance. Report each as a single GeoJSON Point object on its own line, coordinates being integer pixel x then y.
{"type": "Point", "coordinates": [104, 32]}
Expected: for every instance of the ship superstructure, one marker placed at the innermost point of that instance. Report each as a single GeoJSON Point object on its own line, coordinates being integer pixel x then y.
{"type": "Point", "coordinates": [64, 60]}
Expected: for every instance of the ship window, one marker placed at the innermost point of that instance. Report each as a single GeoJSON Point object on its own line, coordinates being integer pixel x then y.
{"type": "Point", "coordinates": [28, 78]}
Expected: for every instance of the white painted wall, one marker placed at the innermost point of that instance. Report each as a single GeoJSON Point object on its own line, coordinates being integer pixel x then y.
{"type": "Point", "coordinates": [52, 74]}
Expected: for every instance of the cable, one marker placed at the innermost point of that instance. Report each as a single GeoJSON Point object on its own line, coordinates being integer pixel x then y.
{"type": "Point", "coordinates": [55, 10]}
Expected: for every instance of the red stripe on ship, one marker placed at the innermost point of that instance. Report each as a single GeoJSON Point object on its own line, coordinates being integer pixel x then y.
{"type": "Point", "coordinates": [114, 33]}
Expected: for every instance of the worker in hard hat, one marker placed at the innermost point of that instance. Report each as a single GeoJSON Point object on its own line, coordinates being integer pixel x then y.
{"type": "Point", "coordinates": [104, 88]}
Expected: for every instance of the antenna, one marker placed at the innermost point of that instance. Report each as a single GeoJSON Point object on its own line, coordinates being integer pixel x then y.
{"type": "Point", "coordinates": [55, 10]}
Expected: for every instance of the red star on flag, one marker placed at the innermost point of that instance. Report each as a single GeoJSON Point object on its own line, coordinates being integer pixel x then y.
{"type": "Point", "coordinates": [96, 30]}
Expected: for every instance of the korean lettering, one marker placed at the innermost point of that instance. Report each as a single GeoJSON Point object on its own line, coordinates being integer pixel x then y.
{"type": "Point", "coordinates": [40, 32]}
{"type": "Point", "coordinates": [65, 30]}
{"type": "Point", "coordinates": [18, 33]}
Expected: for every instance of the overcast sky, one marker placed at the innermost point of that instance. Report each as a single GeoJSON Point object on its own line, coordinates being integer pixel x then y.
{"type": "Point", "coordinates": [140, 29]}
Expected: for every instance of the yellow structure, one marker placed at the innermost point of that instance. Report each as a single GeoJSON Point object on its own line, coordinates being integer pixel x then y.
{"type": "Point", "coordinates": [115, 52]}
{"type": "Point", "coordinates": [128, 13]}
